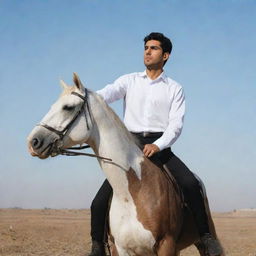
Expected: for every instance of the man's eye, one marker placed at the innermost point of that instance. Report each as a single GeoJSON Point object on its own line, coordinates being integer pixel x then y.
{"type": "Point", "coordinates": [68, 107]}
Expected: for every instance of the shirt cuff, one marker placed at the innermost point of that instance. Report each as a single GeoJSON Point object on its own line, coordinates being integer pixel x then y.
{"type": "Point", "coordinates": [159, 144]}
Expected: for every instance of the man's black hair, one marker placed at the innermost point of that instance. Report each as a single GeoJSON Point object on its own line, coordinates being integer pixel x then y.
{"type": "Point", "coordinates": [166, 43]}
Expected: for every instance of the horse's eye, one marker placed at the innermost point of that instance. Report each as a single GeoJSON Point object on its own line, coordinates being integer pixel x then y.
{"type": "Point", "coordinates": [68, 107]}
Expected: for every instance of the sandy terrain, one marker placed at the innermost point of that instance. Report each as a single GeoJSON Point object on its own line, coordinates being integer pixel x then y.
{"type": "Point", "coordinates": [66, 232]}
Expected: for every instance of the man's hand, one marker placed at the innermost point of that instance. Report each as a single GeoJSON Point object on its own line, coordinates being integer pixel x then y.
{"type": "Point", "coordinates": [150, 149]}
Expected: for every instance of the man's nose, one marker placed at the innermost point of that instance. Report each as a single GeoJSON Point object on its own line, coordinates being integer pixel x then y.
{"type": "Point", "coordinates": [148, 51]}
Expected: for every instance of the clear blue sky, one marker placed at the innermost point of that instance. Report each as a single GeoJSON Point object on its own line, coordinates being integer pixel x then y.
{"type": "Point", "coordinates": [213, 58]}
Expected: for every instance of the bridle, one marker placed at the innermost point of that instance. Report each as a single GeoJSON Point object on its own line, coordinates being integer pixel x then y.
{"type": "Point", "coordinates": [61, 133]}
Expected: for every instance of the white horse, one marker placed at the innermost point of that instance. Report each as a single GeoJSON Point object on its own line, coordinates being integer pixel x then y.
{"type": "Point", "coordinates": [146, 215]}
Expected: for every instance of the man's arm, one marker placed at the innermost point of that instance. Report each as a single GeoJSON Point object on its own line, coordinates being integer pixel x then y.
{"type": "Point", "coordinates": [176, 117]}
{"type": "Point", "coordinates": [115, 91]}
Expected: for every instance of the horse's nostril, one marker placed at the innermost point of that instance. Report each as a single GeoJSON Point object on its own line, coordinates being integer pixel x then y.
{"type": "Point", "coordinates": [36, 143]}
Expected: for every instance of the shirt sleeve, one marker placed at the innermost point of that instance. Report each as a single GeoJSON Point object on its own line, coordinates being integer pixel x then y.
{"type": "Point", "coordinates": [116, 90]}
{"type": "Point", "coordinates": [176, 118]}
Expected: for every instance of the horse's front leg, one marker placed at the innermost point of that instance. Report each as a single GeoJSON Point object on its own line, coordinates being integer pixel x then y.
{"type": "Point", "coordinates": [167, 247]}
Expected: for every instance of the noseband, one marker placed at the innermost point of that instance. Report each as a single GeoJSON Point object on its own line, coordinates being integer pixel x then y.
{"type": "Point", "coordinates": [63, 132]}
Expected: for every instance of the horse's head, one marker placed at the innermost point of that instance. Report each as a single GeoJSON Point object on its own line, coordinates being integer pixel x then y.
{"type": "Point", "coordinates": [66, 124]}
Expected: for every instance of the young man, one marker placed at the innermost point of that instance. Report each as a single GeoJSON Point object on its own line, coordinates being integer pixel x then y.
{"type": "Point", "coordinates": [154, 112]}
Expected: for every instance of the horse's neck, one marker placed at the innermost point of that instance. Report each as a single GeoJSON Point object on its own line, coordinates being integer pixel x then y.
{"type": "Point", "coordinates": [111, 140]}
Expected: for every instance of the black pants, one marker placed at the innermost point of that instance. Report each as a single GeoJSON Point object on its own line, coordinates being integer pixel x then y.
{"type": "Point", "coordinates": [184, 177]}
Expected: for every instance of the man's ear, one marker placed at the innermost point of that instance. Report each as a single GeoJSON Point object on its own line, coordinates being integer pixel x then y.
{"type": "Point", "coordinates": [166, 56]}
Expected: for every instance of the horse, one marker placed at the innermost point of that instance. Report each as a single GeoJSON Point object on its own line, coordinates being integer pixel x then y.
{"type": "Point", "coordinates": [147, 214]}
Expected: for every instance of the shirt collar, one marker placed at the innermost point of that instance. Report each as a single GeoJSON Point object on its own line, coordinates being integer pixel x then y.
{"type": "Point", "coordinates": [162, 76]}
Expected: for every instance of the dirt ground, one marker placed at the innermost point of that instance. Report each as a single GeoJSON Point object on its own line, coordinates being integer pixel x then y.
{"type": "Point", "coordinates": [50, 232]}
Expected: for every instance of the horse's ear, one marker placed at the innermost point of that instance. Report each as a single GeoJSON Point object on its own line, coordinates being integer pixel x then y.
{"type": "Point", "coordinates": [63, 84]}
{"type": "Point", "coordinates": [77, 82]}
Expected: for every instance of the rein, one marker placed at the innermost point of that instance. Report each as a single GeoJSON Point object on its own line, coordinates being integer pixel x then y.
{"type": "Point", "coordinates": [66, 152]}
{"type": "Point", "coordinates": [63, 132]}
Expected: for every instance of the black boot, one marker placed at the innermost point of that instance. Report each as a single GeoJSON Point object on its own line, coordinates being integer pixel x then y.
{"type": "Point", "coordinates": [98, 249]}
{"type": "Point", "coordinates": [211, 245]}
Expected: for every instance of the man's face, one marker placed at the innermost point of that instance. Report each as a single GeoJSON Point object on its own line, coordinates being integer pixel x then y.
{"type": "Point", "coordinates": [154, 57]}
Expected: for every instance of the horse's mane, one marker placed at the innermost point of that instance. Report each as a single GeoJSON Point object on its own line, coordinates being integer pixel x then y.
{"type": "Point", "coordinates": [116, 120]}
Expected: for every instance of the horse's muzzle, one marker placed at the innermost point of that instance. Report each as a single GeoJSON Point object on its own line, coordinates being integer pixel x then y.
{"type": "Point", "coordinates": [43, 144]}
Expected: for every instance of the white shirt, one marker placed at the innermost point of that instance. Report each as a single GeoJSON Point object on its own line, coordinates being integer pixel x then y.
{"type": "Point", "coordinates": [149, 105]}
